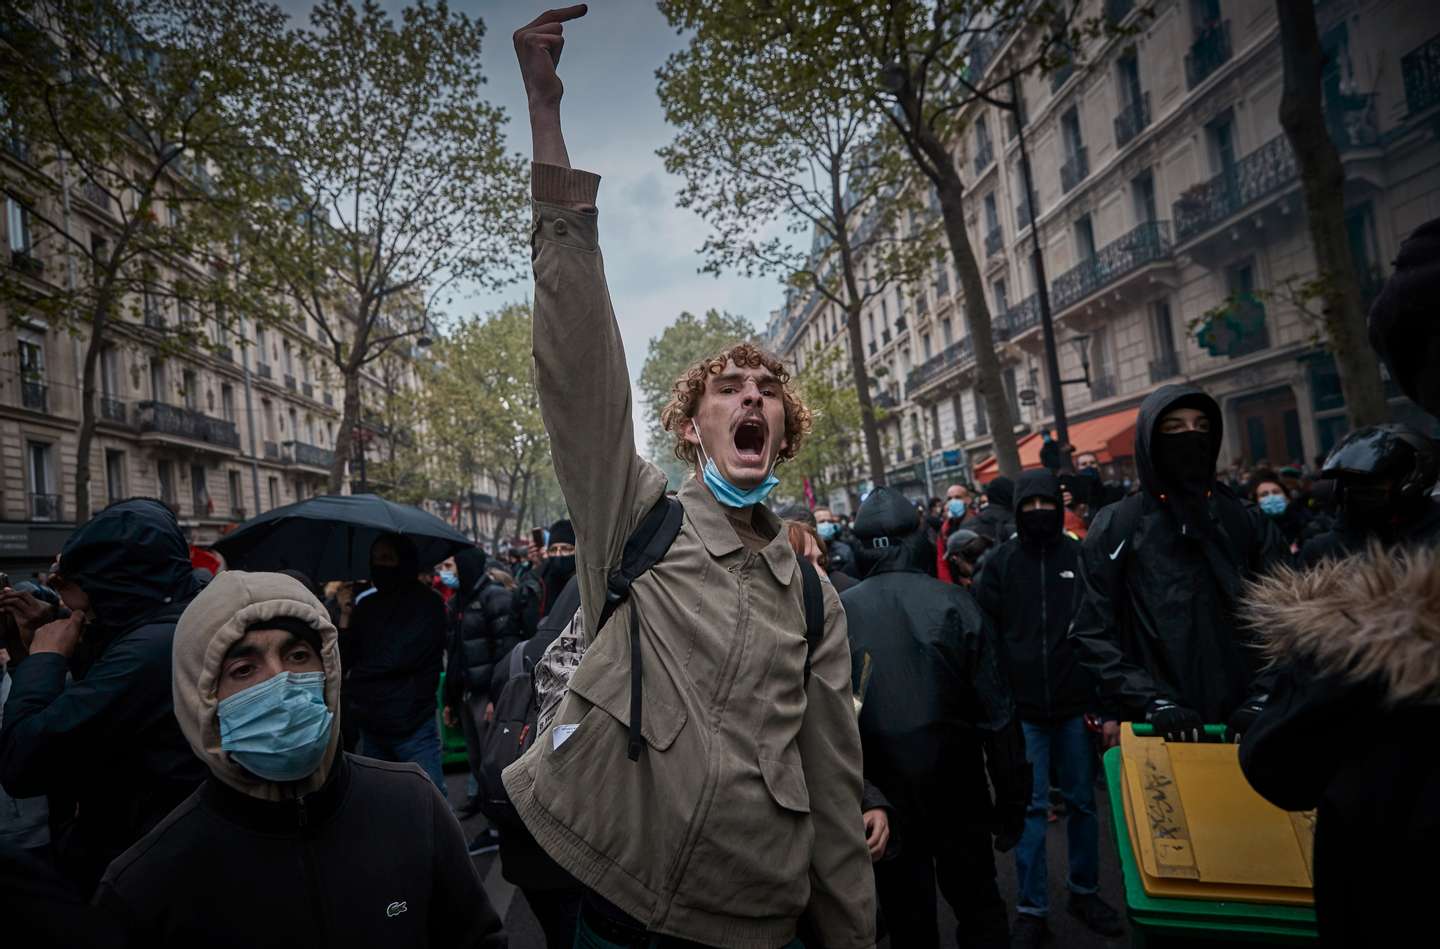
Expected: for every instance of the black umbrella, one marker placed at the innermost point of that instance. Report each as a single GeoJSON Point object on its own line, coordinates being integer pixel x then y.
{"type": "Point", "coordinates": [329, 537]}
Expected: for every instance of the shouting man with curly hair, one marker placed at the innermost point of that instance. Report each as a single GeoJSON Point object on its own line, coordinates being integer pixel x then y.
{"type": "Point", "coordinates": [739, 817]}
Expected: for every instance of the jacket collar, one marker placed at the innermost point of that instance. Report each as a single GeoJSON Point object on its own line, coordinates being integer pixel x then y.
{"type": "Point", "coordinates": [289, 815]}
{"type": "Point", "coordinates": [720, 539]}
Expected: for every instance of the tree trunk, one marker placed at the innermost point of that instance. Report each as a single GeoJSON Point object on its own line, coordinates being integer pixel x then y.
{"type": "Point", "coordinates": [1322, 180]}
{"type": "Point", "coordinates": [977, 316]}
{"type": "Point", "coordinates": [871, 430]}
{"type": "Point", "coordinates": [86, 438]}
{"type": "Point", "coordinates": [349, 418]}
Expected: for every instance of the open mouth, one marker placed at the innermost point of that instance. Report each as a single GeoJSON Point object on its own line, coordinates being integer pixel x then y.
{"type": "Point", "coordinates": [750, 440]}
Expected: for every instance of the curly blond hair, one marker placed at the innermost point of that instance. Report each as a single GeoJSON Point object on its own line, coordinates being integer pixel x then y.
{"type": "Point", "coordinates": [685, 398]}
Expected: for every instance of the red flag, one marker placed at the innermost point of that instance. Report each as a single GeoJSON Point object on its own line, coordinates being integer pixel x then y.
{"type": "Point", "coordinates": [809, 494]}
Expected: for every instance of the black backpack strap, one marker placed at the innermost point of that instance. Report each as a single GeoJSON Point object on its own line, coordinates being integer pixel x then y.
{"type": "Point", "coordinates": [814, 611]}
{"type": "Point", "coordinates": [646, 546]}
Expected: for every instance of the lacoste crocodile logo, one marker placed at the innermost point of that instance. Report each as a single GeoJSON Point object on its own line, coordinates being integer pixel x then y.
{"type": "Point", "coordinates": [395, 908]}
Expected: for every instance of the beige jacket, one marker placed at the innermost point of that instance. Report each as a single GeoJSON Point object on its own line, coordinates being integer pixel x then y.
{"type": "Point", "coordinates": [212, 623]}
{"type": "Point", "coordinates": [743, 811]}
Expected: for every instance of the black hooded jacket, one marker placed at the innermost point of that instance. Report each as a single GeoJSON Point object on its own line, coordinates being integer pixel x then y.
{"type": "Point", "coordinates": [1027, 590]}
{"type": "Point", "coordinates": [1157, 619]}
{"type": "Point", "coordinates": [393, 653]}
{"type": "Point", "coordinates": [937, 694]}
{"type": "Point", "coordinates": [997, 521]}
{"type": "Point", "coordinates": [108, 740]}
{"type": "Point", "coordinates": [484, 627]}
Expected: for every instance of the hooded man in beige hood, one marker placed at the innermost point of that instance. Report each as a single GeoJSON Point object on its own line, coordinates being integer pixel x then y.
{"type": "Point", "coordinates": [365, 853]}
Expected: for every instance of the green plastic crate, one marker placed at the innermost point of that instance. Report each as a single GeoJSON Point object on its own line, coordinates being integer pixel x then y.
{"type": "Point", "coordinates": [1157, 921]}
{"type": "Point", "coordinates": [452, 740]}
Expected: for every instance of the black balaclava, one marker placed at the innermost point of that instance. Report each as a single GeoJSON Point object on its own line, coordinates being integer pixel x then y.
{"type": "Point", "coordinates": [407, 570]}
{"type": "Point", "coordinates": [1038, 526]}
{"type": "Point", "coordinates": [1186, 462]}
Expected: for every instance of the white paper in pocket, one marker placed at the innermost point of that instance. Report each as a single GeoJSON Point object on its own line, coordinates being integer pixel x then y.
{"type": "Point", "coordinates": [562, 733]}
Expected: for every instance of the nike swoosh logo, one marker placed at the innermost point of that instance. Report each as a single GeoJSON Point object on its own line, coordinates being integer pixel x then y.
{"type": "Point", "coordinates": [1118, 549]}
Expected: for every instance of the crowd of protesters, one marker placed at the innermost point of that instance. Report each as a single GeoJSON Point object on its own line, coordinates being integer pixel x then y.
{"type": "Point", "coordinates": [691, 723]}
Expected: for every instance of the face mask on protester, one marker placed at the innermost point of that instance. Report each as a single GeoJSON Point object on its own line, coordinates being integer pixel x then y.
{"type": "Point", "coordinates": [555, 566]}
{"type": "Point", "coordinates": [278, 730]}
{"type": "Point", "coordinates": [450, 579]}
{"type": "Point", "coordinates": [1185, 461]}
{"type": "Point", "coordinates": [955, 507]}
{"type": "Point", "coordinates": [1274, 504]}
{"type": "Point", "coordinates": [727, 493]}
{"type": "Point", "coordinates": [828, 530]}
{"type": "Point", "coordinates": [1040, 524]}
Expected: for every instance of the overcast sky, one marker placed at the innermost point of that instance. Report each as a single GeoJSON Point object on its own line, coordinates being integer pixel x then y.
{"type": "Point", "coordinates": [613, 125]}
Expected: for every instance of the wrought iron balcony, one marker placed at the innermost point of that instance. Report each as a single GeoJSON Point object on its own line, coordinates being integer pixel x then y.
{"type": "Point", "coordinates": [113, 410]}
{"type": "Point", "coordinates": [27, 263]}
{"type": "Point", "coordinates": [1021, 316]}
{"type": "Point", "coordinates": [96, 195]}
{"type": "Point", "coordinates": [1102, 387]}
{"type": "Point", "coordinates": [32, 395]}
{"type": "Point", "coordinates": [1059, 76]}
{"type": "Point", "coordinates": [1420, 69]}
{"type": "Point", "coordinates": [290, 382]}
{"type": "Point", "coordinates": [993, 241]}
{"type": "Point", "coordinates": [311, 455]}
{"type": "Point", "coordinates": [1076, 167]}
{"type": "Point", "coordinates": [262, 369]}
{"type": "Point", "coordinates": [1132, 120]}
{"type": "Point", "coordinates": [1209, 52]}
{"type": "Point", "coordinates": [308, 389]}
{"type": "Point", "coordinates": [165, 419]}
{"type": "Point", "coordinates": [154, 319]}
{"type": "Point", "coordinates": [272, 451]}
{"type": "Point", "coordinates": [1143, 245]}
{"type": "Point", "coordinates": [1268, 169]}
{"type": "Point", "coordinates": [984, 156]}
{"type": "Point", "coordinates": [224, 354]}
{"type": "Point", "coordinates": [16, 146]}
{"type": "Point", "coordinates": [1351, 121]}
{"type": "Point", "coordinates": [330, 397]}
{"type": "Point", "coordinates": [1164, 366]}
{"type": "Point", "coordinates": [884, 401]}
{"type": "Point", "coordinates": [955, 355]}
{"type": "Point", "coordinates": [45, 507]}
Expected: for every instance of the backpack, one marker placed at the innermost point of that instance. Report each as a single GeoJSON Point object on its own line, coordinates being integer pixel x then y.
{"type": "Point", "coordinates": [517, 707]}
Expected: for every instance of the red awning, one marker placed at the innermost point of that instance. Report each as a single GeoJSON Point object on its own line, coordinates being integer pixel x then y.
{"type": "Point", "coordinates": [1110, 437]}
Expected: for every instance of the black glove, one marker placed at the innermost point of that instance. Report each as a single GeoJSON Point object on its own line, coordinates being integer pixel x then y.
{"type": "Point", "coordinates": [1012, 778]}
{"type": "Point", "coordinates": [1175, 722]}
{"type": "Point", "coordinates": [1243, 718]}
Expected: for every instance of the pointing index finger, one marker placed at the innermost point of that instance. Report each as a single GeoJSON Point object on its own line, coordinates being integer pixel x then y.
{"type": "Point", "coordinates": [560, 15]}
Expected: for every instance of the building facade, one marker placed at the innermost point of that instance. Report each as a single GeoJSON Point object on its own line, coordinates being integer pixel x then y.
{"type": "Point", "coordinates": [1172, 231]}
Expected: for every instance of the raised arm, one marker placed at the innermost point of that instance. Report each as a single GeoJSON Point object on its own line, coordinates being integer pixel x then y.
{"type": "Point", "coordinates": [579, 358]}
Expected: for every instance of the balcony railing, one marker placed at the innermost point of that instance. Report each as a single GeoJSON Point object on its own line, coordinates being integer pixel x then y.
{"type": "Point", "coordinates": [993, 241]}
{"type": "Point", "coordinates": [1059, 76]}
{"type": "Point", "coordinates": [290, 382]}
{"type": "Point", "coordinates": [45, 507]}
{"type": "Point", "coordinates": [262, 369]}
{"type": "Point", "coordinates": [1143, 245]}
{"type": "Point", "coordinates": [272, 451]}
{"type": "Point", "coordinates": [1164, 366]}
{"type": "Point", "coordinates": [1117, 10]}
{"type": "Point", "coordinates": [1076, 167]}
{"type": "Point", "coordinates": [885, 337]}
{"type": "Point", "coordinates": [308, 388]}
{"type": "Point", "coordinates": [1268, 169]}
{"type": "Point", "coordinates": [96, 195]}
{"type": "Point", "coordinates": [1102, 387]}
{"type": "Point", "coordinates": [984, 156]}
{"type": "Point", "coordinates": [113, 410]}
{"type": "Point", "coordinates": [330, 397]}
{"type": "Point", "coordinates": [1132, 120]}
{"type": "Point", "coordinates": [27, 263]}
{"type": "Point", "coordinates": [956, 354]}
{"type": "Point", "coordinates": [154, 319]}
{"type": "Point", "coordinates": [1020, 317]}
{"type": "Point", "coordinates": [224, 354]}
{"type": "Point", "coordinates": [312, 455]}
{"type": "Point", "coordinates": [169, 419]}
{"type": "Point", "coordinates": [1420, 69]}
{"type": "Point", "coordinates": [32, 395]}
{"type": "Point", "coordinates": [1209, 52]}
{"type": "Point", "coordinates": [884, 401]}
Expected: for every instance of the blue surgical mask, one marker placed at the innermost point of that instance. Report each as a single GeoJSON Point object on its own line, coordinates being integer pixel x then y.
{"type": "Point", "coordinates": [956, 507]}
{"type": "Point", "coordinates": [828, 530]}
{"type": "Point", "coordinates": [449, 579]}
{"type": "Point", "coordinates": [727, 493]}
{"type": "Point", "coordinates": [1274, 504]}
{"type": "Point", "coordinates": [278, 730]}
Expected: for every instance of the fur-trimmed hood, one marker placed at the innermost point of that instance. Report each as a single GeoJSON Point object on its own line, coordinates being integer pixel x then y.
{"type": "Point", "coordinates": [1370, 617]}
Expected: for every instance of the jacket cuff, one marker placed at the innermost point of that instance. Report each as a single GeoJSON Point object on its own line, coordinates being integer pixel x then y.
{"type": "Point", "coordinates": [551, 184]}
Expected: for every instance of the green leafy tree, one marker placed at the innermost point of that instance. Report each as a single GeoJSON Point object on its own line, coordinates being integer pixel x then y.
{"type": "Point", "coordinates": [398, 181]}
{"type": "Point", "coordinates": [682, 344]}
{"type": "Point", "coordinates": [767, 140]}
{"type": "Point", "coordinates": [127, 118]}
{"type": "Point", "coordinates": [829, 457]}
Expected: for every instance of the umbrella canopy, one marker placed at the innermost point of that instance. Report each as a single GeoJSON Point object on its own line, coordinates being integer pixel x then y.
{"type": "Point", "coordinates": [329, 537]}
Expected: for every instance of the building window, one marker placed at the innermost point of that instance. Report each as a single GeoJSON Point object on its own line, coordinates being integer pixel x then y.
{"type": "Point", "coordinates": [274, 492]}
{"type": "Point", "coordinates": [32, 371]}
{"type": "Point", "coordinates": [1221, 135]}
{"type": "Point", "coordinates": [1084, 239]}
{"type": "Point", "coordinates": [958, 410]}
{"type": "Point", "coordinates": [110, 372]}
{"type": "Point", "coordinates": [165, 474]}
{"type": "Point", "coordinates": [190, 389]}
{"type": "Point", "coordinates": [946, 333]}
{"type": "Point", "coordinates": [44, 499]}
{"type": "Point", "coordinates": [237, 493]}
{"type": "Point", "coordinates": [227, 403]}
{"type": "Point", "coordinates": [114, 475]}
{"type": "Point", "coordinates": [157, 380]}
{"type": "Point", "coordinates": [1142, 192]}
{"type": "Point", "coordinates": [982, 424]}
{"type": "Point", "coordinates": [1002, 297]}
{"type": "Point", "coordinates": [199, 491]}
{"type": "Point", "coordinates": [925, 344]}
{"type": "Point", "coordinates": [935, 427]}
{"type": "Point", "coordinates": [17, 219]}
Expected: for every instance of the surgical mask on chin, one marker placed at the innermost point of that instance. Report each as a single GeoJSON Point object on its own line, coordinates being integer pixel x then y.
{"type": "Point", "coordinates": [727, 493]}
{"type": "Point", "coordinates": [1274, 504]}
{"type": "Point", "coordinates": [828, 530]}
{"type": "Point", "coordinates": [278, 730]}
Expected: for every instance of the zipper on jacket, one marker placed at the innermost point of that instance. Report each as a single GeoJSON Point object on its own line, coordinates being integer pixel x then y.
{"type": "Point", "coordinates": [1045, 635]}
{"type": "Point", "coordinates": [312, 872]}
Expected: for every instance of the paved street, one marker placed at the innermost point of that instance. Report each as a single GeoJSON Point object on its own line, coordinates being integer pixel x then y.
{"type": "Point", "coordinates": [1069, 934]}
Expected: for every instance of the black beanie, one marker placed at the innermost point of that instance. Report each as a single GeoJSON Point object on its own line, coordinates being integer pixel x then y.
{"type": "Point", "coordinates": [1405, 319]}
{"type": "Point", "coordinates": [1001, 491]}
{"type": "Point", "coordinates": [293, 625]}
{"type": "Point", "coordinates": [562, 532]}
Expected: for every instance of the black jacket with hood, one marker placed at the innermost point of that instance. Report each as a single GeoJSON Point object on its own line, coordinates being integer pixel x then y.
{"type": "Point", "coordinates": [360, 854]}
{"type": "Point", "coordinates": [997, 520]}
{"type": "Point", "coordinates": [937, 694]}
{"type": "Point", "coordinates": [108, 739]}
{"type": "Point", "coordinates": [1350, 731]}
{"type": "Point", "coordinates": [483, 627]}
{"type": "Point", "coordinates": [394, 653]}
{"type": "Point", "coordinates": [1161, 586]}
{"type": "Point", "coordinates": [1027, 590]}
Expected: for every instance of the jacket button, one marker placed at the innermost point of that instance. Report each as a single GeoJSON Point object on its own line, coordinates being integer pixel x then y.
{"type": "Point", "coordinates": [561, 228]}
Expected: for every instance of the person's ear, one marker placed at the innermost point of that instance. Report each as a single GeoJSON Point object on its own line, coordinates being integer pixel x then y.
{"type": "Point", "coordinates": [687, 431]}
